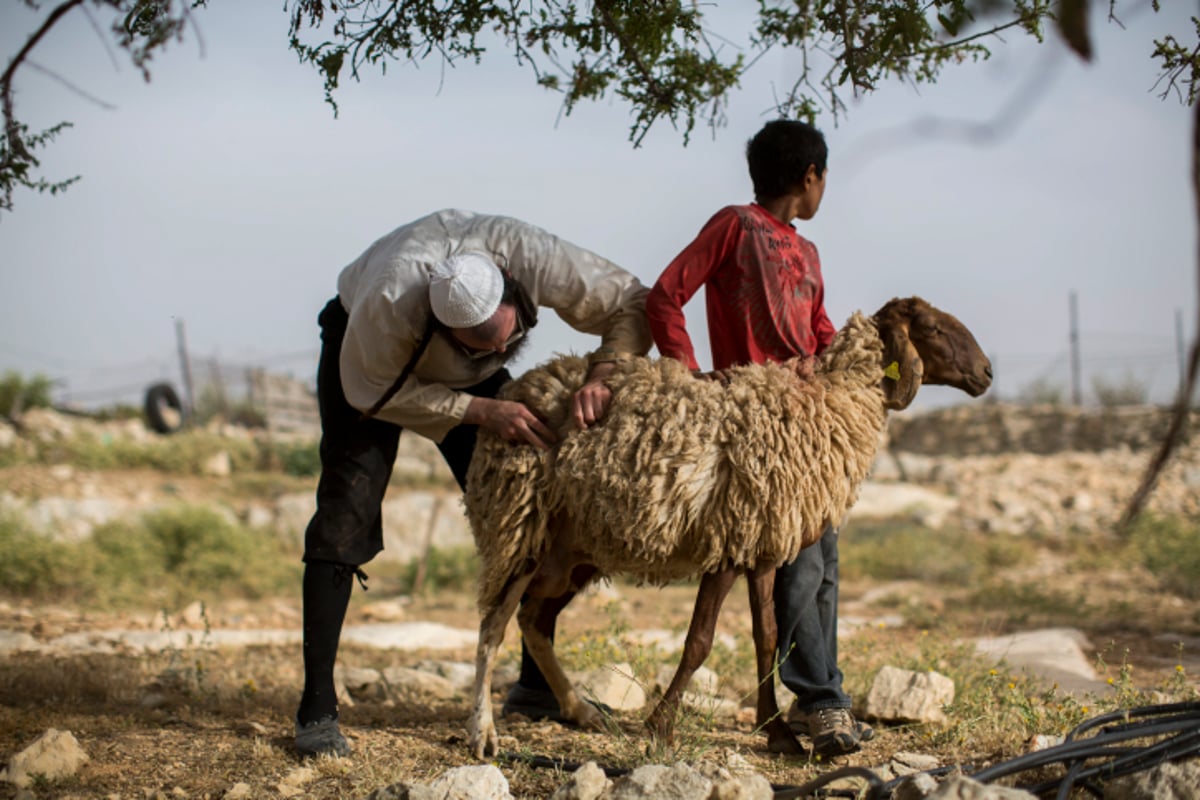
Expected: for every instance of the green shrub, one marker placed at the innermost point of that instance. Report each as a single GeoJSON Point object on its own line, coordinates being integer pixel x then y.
{"type": "Point", "coordinates": [120, 411]}
{"type": "Point", "coordinates": [18, 394]}
{"type": "Point", "coordinates": [32, 565]}
{"type": "Point", "coordinates": [906, 551]}
{"type": "Point", "coordinates": [1170, 548]}
{"type": "Point", "coordinates": [1127, 391]}
{"type": "Point", "coordinates": [180, 454]}
{"type": "Point", "coordinates": [172, 555]}
{"type": "Point", "coordinates": [451, 567]}
{"type": "Point", "coordinates": [184, 551]}
{"type": "Point", "coordinates": [301, 459]}
{"type": "Point", "coordinates": [1041, 391]}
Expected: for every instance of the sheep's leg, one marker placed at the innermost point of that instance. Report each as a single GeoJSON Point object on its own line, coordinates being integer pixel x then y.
{"type": "Point", "coordinates": [780, 739]}
{"type": "Point", "coordinates": [537, 618]}
{"type": "Point", "coordinates": [483, 739]}
{"type": "Point", "coordinates": [714, 587]}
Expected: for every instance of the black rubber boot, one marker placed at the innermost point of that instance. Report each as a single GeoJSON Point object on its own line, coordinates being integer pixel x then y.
{"type": "Point", "coordinates": [326, 593]}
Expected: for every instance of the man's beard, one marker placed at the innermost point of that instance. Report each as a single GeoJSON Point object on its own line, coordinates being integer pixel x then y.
{"type": "Point", "coordinates": [514, 350]}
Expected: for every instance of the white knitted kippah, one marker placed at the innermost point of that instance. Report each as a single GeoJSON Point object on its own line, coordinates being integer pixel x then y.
{"type": "Point", "coordinates": [465, 290]}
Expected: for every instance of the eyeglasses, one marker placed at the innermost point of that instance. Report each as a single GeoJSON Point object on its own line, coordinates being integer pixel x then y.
{"type": "Point", "coordinates": [478, 355]}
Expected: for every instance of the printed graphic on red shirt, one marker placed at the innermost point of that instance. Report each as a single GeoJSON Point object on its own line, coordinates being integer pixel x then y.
{"type": "Point", "coordinates": [771, 288]}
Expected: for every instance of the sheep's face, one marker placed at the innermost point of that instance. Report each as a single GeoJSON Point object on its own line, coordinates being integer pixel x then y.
{"type": "Point", "coordinates": [929, 346]}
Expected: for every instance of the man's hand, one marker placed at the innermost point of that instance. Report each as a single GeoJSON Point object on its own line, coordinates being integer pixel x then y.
{"type": "Point", "coordinates": [591, 400]}
{"type": "Point", "coordinates": [509, 420]}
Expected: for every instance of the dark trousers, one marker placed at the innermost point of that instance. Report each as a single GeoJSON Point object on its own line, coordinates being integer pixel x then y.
{"type": "Point", "coordinates": [357, 456]}
{"type": "Point", "coordinates": [806, 596]}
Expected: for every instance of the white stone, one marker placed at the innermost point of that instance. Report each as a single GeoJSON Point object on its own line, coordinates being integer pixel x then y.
{"type": "Point", "coordinates": [218, 465]}
{"type": "Point", "coordinates": [404, 682]}
{"type": "Point", "coordinates": [459, 673]}
{"type": "Point", "coordinates": [614, 686]}
{"type": "Point", "coordinates": [915, 786]}
{"type": "Point", "coordinates": [742, 787]}
{"type": "Point", "coordinates": [1168, 781]}
{"type": "Point", "coordinates": [53, 755]}
{"type": "Point", "coordinates": [901, 695]}
{"type": "Point", "coordinates": [586, 783]}
{"type": "Point", "coordinates": [907, 763]}
{"type": "Point", "coordinates": [959, 787]}
{"type": "Point", "coordinates": [18, 642]}
{"type": "Point", "coordinates": [483, 782]}
{"type": "Point", "coordinates": [901, 500]}
{"type": "Point", "coordinates": [1054, 655]}
{"type": "Point", "coordinates": [658, 782]}
{"type": "Point", "coordinates": [407, 516]}
{"type": "Point", "coordinates": [704, 680]}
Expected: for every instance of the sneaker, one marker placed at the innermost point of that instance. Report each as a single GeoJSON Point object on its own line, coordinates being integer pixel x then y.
{"type": "Point", "coordinates": [322, 736]}
{"type": "Point", "coordinates": [833, 731]}
{"type": "Point", "coordinates": [539, 705]}
{"type": "Point", "coordinates": [798, 721]}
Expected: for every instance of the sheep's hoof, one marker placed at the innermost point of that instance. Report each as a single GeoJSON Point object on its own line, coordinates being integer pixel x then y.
{"type": "Point", "coordinates": [661, 727]}
{"type": "Point", "coordinates": [780, 739]}
{"type": "Point", "coordinates": [588, 717]}
{"type": "Point", "coordinates": [484, 741]}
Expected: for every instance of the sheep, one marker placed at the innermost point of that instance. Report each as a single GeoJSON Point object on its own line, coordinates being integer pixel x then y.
{"type": "Point", "coordinates": [686, 478]}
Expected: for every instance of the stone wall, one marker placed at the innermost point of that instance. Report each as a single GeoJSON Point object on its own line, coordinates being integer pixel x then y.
{"type": "Point", "coordinates": [994, 428]}
{"type": "Point", "coordinates": [1020, 469]}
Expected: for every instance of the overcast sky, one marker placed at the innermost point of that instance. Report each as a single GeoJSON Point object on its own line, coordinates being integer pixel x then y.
{"type": "Point", "coordinates": [225, 194]}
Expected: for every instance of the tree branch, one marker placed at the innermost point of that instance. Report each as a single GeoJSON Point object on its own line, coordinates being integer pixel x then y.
{"type": "Point", "coordinates": [1175, 430]}
{"type": "Point", "coordinates": [628, 49]}
{"type": "Point", "coordinates": [12, 131]}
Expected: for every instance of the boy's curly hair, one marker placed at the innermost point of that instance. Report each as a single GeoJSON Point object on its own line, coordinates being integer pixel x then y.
{"type": "Point", "coordinates": [780, 154]}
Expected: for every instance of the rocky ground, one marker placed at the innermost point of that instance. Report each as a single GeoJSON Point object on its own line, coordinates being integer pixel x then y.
{"type": "Point", "coordinates": [194, 702]}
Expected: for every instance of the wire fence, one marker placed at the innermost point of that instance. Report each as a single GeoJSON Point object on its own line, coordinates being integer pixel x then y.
{"type": "Point", "coordinates": [1113, 370]}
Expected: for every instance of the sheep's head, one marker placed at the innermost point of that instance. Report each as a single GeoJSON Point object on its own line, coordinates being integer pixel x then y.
{"type": "Point", "coordinates": [928, 346]}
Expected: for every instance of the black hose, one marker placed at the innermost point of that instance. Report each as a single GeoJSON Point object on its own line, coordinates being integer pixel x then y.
{"type": "Point", "coordinates": [1178, 722]}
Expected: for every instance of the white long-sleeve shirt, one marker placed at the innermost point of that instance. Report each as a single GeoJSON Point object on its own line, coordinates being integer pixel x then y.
{"type": "Point", "coordinates": [386, 293]}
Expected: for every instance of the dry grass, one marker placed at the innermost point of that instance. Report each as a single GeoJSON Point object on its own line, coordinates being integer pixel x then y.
{"type": "Point", "coordinates": [225, 717]}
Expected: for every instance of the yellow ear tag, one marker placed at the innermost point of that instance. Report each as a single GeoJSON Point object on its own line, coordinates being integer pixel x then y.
{"type": "Point", "coordinates": [892, 371]}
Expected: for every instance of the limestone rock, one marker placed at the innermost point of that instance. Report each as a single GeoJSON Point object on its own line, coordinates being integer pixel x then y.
{"type": "Point", "coordinates": [901, 695]}
{"type": "Point", "coordinates": [959, 787]}
{"type": "Point", "coordinates": [53, 755]}
{"type": "Point", "coordinates": [404, 682]}
{"type": "Point", "coordinates": [614, 686]}
{"type": "Point", "coordinates": [659, 782]}
{"type": "Point", "coordinates": [587, 783]}
{"type": "Point", "coordinates": [1169, 781]}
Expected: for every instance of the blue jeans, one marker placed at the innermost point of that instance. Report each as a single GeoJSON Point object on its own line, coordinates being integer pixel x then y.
{"type": "Point", "coordinates": [806, 596]}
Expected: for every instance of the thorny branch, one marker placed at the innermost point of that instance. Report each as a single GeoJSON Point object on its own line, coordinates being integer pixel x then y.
{"type": "Point", "coordinates": [1175, 430]}
{"type": "Point", "coordinates": [15, 150]}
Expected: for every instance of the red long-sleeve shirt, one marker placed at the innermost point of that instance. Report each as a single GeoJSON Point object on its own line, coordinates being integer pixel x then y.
{"type": "Point", "coordinates": [765, 294]}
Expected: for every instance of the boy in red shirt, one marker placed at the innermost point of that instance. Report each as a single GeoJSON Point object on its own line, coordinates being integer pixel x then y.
{"type": "Point", "coordinates": [766, 302]}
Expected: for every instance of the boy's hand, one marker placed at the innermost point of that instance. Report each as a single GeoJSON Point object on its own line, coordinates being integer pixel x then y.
{"type": "Point", "coordinates": [591, 400]}
{"type": "Point", "coordinates": [719, 375]}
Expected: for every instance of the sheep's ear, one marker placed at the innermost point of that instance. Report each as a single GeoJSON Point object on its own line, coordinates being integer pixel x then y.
{"type": "Point", "coordinates": [902, 368]}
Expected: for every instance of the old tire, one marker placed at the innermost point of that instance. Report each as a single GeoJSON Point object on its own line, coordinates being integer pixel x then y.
{"type": "Point", "coordinates": [164, 412]}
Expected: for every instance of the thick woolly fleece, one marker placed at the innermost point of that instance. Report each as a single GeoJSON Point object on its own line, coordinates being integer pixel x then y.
{"type": "Point", "coordinates": [682, 475]}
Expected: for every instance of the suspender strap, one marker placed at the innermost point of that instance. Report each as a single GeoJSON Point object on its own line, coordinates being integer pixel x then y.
{"type": "Point", "coordinates": [404, 373]}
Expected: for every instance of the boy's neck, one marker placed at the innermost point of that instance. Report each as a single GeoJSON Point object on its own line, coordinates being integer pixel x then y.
{"type": "Point", "coordinates": [785, 208]}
